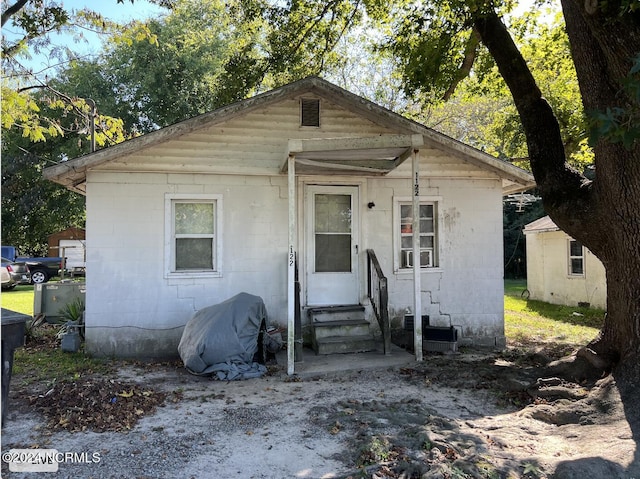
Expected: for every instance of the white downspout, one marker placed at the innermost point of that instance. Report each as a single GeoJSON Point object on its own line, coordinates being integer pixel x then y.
{"type": "Point", "coordinates": [291, 264]}
{"type": "Point", "coordinates": [417, 287]}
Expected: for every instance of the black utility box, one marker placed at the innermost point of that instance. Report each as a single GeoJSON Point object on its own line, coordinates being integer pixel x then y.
{"type": "Point", "coordinates": [408, 322]}
{"type": "Point", "coordinates": [434, 338]}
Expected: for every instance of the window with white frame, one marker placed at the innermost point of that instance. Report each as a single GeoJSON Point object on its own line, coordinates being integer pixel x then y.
{"type": "Point", "coordinates": [576, 258]}
{"type": "Point", "coordinates": [404, 234]}
{"type": "Point", "coordinates": [193, 239]}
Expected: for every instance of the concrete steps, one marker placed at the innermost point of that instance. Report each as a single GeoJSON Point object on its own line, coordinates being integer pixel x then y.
{"type": "Point", "coordinates": [340, 329]}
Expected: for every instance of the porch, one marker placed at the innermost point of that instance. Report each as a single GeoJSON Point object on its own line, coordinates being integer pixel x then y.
{"type": "Point", "coordinates": [314, 365]}
{"type": "Point", "coordinates": [330, 274]}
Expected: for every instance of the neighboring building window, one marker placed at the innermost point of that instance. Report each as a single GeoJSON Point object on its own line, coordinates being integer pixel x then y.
{"type": "Point", "coordinates": [428, 234]}
{"type": "Point", "coordinates": [193, 234]}
{"type": "Point", "coordinates": [310, 112]}
{"type": "Point", "coordinates": [576, 258]}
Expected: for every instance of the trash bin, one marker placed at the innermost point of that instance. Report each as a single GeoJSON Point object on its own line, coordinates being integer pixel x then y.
{"type": "Point", "coordinates": [13, 327]}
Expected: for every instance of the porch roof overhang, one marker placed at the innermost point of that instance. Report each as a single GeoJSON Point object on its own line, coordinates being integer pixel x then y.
{"type": "Point", "coordinates": [377, 155]}
{"type": "Point", "coordinates": [380, 155]}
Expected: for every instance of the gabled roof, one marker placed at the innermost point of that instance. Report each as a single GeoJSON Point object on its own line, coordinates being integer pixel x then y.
{"type": "Point", "coordinates": [72, 173]}
{"type": "Point", "coordinates": [541, 225]}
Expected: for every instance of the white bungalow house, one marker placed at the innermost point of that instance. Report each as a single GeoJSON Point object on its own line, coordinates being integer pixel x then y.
{"type": "Point", "coordinates": [307, 181]}
{"type": "Point", "coordinates": [560, 270]}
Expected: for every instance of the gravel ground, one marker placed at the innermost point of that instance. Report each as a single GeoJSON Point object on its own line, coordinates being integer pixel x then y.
{"type": "Point", "coordinates": [434, 420]}
{"type": "Point", "coordinates": [260, 428]}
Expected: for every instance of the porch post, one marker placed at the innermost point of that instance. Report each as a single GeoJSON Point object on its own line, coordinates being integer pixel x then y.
{"type": "Point", "coordinates": [417, 297]}
{"type": "Point", "coordinates": [291, 265]}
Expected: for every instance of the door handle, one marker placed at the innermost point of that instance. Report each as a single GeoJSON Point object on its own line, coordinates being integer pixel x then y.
{"type": "Point", "coordinates": [356, 249]}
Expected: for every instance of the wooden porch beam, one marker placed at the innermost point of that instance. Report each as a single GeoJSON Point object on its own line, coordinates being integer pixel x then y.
{"type": "Point", "coordinates": [340, 166]}
{"type": "Point", "coordinates": [299, 147]}
{"type": "Point", "coordinates": [291, 266]}
{"type": "Point", "coordinates": [362, 143]}
{"type": "Point", "coordinates": [417, 284]}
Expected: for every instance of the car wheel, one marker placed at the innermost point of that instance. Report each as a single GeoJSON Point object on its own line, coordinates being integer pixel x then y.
{"type": "Point", "coordinates": [39, 277]}
{"type": "Point", "coordinates": [8, 288]}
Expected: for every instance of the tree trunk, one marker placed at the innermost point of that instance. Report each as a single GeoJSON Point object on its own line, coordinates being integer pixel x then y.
{"type": "Point", "coordinates": [603, 47]}
{"type": "Point", "coordinates": [604, 215]}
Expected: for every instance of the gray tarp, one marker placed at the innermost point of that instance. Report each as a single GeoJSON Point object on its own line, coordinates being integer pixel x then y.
{"type": "Point", "coordinates": [222, 339]}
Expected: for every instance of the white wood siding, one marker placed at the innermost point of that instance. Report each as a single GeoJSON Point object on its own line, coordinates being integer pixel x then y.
{"type": "Point", "coordinates": [256, 144]}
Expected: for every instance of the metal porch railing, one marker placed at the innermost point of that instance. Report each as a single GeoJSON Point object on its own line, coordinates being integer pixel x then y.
{"type": "Point", "coordinates": [379, 297]}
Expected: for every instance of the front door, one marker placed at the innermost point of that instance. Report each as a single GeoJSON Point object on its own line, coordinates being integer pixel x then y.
{"type": "Point", "coordinates": [331, 214]}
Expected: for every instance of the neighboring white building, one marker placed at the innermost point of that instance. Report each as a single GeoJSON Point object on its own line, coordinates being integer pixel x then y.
{"type": "Point", "coordinates": [560, 270]}
{"type": "Point", "coordinates": [194, 213]}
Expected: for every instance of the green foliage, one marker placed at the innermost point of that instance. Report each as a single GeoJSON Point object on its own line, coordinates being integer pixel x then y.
{"type": "Point", "coordinates": [156, 83]}
{"type": "Point", "coordinates": [32, 207]}
{"type": "Point", "coordinates": [482, 113]}
{"type": "Point", "coordinates": [23, 111]}
{"type": "Point", "coordinates": [72, 311]}
{"type": "Point", "coordinates": [31, 27]}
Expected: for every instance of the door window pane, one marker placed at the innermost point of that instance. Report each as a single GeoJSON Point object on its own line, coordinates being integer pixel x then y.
{"type": "Point", "coordinates": [333, 253]}
{"type": "Point", "coordinates": [332, 233]}
{"type": "Point", "coordinates": [333, 213]}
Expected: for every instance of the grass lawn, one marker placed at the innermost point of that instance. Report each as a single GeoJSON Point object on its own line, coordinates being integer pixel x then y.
{"type": "Point", "coordinates": [529, 321]}
{"type": "Point", "coordinates": [19, 299]}
{"type": "Point", "coordinates": [41, 358]}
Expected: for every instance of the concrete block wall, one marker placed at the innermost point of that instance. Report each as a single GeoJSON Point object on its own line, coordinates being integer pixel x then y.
{"type": "Point", "coordinates": [466, 289]}
{"type": "Point", "coordinates": [132, 308]}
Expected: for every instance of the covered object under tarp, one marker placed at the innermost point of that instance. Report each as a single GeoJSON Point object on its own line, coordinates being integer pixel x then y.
{"type": "Point", "coordinates": [223, 339]}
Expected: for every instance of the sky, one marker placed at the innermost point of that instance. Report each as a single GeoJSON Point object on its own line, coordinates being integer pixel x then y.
{"type": "Point", "coordinates": [123, 12]}
{"type": "Point", "coordinates": [110, 9]}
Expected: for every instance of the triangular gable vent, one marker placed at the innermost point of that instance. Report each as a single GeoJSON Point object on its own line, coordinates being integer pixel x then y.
{"type": "Point", "coordinates": [310, 112]}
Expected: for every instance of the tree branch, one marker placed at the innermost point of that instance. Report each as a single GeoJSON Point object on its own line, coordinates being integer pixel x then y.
{"type": "Point", "coordinates": [32, 87]}
{"type": "Point", "coordinates": [566, 193]}
{"type": "Point", "coordinates": [12, 10]}
{"type": "Point", "coordinates": [470, 53]}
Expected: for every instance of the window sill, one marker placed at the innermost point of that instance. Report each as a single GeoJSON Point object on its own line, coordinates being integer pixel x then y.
{"type": "Point", "coordinates": [407, 272]}
{"type": "Point", "coordinates": [193, 274]}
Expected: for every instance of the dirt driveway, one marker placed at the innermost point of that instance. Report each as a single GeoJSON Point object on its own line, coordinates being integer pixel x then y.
{"type": "Point", "coordinates": [462, 416]}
